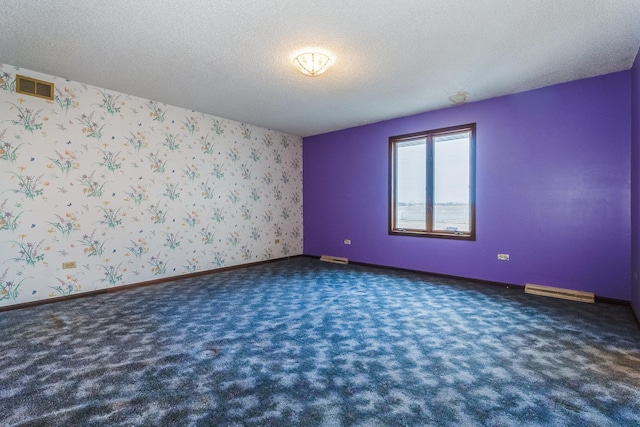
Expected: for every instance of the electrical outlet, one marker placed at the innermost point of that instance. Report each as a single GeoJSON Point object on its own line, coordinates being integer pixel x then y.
{"type": "Point", "coordinates": [347, 241]}
{"type": "Point", "coordinates": [503, 257]}
{"type": "Point", "coordinates": [68, 265]}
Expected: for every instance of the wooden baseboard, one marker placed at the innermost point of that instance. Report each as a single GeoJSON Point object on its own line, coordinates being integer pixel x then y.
{"type": "Point", "coordinates": [479, 281]}
{"type": "Point", "coordinates": [137, 285]}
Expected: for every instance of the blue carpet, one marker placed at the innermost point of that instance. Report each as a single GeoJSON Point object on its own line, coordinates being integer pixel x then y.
{"type": "Point", "coordinates": [300, 342]}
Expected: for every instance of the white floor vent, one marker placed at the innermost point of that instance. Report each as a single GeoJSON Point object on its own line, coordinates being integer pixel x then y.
{"type": "Point", "coordinates": [334, 259]}
{"type": "Point", "coordinates": [569, 294]}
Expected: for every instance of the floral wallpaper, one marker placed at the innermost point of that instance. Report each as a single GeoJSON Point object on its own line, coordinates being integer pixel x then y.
{"type": "Point", "coordinates": [134, 190]}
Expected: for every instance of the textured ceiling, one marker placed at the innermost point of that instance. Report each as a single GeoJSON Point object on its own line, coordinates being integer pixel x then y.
{"type": "Point", "coordinates": [392, 58]}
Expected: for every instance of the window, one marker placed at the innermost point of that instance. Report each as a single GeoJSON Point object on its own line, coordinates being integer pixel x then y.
{"type": "Point", "coordinates": [432, 191]}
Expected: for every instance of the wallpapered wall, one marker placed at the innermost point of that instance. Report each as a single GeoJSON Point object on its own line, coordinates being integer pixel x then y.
{"type": "Point", "coordinates": [134, 190]}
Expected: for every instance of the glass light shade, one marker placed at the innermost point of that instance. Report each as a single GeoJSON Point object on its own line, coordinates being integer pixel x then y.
{"type": "Point", "coordinates": [312, 63]}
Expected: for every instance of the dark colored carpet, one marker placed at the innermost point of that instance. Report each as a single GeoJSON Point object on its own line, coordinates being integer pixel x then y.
{"type": "Point", "coordinates": [300, 342]}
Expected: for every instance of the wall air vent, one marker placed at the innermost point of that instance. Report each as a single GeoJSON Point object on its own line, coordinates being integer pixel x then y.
{"type": "Point", "coordinates": [549, 291]}
{"type": "Point", "coordinates": [34, 87]}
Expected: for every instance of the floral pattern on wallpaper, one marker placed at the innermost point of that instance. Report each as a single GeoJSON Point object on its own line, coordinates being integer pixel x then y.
{"type": "Point", "coordinates": [134, 190]}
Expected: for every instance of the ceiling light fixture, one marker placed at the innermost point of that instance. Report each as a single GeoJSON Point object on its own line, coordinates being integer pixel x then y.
{"type": "Point", "coordinates": [312, 63]}
{"type": "Point", "coordinates": [459, 98]}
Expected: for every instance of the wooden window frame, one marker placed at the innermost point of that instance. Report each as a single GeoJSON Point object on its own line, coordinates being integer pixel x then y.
{"type": "Point", "coordinates": [429, 185]}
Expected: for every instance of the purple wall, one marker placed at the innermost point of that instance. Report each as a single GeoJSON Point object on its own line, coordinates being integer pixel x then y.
{"type": "Point", "coordinates": [635, 185]}
{"type": "Point", "coordinates": [552, 182]}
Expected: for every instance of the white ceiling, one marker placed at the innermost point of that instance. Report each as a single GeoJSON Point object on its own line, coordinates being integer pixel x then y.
{"type": "Point", "coordinates": [392, 58]}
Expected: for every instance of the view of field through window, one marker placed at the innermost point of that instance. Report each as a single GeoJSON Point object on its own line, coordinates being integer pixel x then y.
{"type": "Point", "coordinates": [451, 193]}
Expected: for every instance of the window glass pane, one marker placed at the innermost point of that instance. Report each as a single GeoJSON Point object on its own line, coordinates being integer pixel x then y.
{"type": "Point", "coordinates": [451, 183]}
{"type": "Point", "coordinates": [411, 177]}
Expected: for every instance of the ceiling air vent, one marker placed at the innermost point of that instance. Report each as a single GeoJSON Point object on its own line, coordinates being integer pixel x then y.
{"type": "Point", "coordinates": [34, 87]}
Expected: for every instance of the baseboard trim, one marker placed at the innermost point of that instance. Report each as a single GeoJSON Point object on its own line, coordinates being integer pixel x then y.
{"type": "Point", "coordinates": [600, 300]}
{"type": "Point", "coordinates": [429, 273]}
{"type": "Point", "coordinates": [138, 285]}
{"type": "Point", "coordinates": [635, 315]}
{"type": "Point", "coordinates": [614, 301]}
